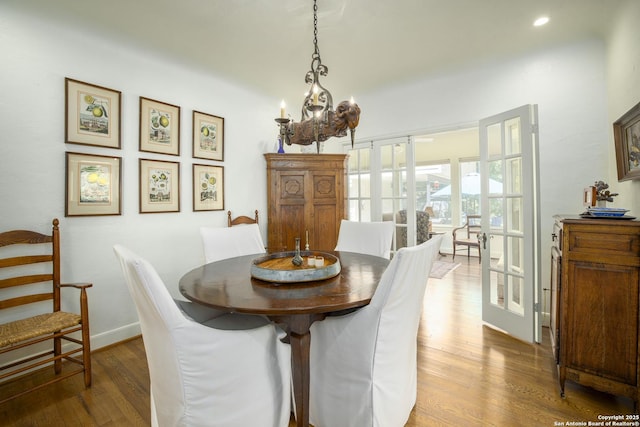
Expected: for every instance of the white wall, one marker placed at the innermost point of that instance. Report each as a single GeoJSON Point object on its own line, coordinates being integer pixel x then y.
{"type": "Point", "coordinates": [36, 58]}
{"type": "Point", "coordinates": [623, 79]}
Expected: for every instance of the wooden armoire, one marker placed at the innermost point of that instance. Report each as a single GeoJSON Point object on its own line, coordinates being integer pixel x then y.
{"type": "Point", "coordinates": [305, 193]}
{"type": "Point", "coordinates": [595, 303]}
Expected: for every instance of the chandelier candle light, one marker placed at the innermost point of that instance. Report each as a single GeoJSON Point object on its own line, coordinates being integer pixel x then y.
{"type": "Point", "coordinates": [319, 121]}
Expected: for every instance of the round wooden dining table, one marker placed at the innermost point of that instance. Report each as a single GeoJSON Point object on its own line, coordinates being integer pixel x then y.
{"type": "Point", "coordinates": [228, 285]}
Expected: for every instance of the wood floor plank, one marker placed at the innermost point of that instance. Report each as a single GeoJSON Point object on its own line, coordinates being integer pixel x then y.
{"type": "Point", "coordinates": [468, 375]}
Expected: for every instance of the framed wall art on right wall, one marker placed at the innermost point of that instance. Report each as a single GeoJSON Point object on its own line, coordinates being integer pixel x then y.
{"type": "Point", "coordinates": [626, 134]}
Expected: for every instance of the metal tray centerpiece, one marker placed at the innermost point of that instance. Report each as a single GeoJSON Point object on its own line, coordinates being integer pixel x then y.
{"type": "Point", "coordinates": [278, 268]}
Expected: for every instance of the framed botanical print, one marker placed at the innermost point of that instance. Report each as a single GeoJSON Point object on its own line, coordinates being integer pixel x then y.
{"type": "Point", "coordinates": [159, 186]}
{"type": "Point", "coordinates": [208, 136]}
{"type": "Point", "coordinates": [159, 127]}
{"type": "Point", "coordinates": [208, 188]}
{"type": "Point", "coordinates": [93, 185]}
{"type": "Point", "coordinates": [626, 135]}
{"type": "Point", "coordinates": [92, 114]}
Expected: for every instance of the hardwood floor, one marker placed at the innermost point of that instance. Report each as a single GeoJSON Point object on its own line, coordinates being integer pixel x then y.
{"type": "Point", "coordinates": [468, 375]}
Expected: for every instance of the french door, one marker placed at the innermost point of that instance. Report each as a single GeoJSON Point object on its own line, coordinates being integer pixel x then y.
{"type": "Point", "coordinates": [384, 180]}
{"type": "Point", "coordinates": [379, 185]}
{"type": "Point", "coordinates": [510, 218]}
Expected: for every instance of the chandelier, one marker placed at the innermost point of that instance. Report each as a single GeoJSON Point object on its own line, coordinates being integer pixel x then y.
{"type": "Point", "coordinates": [318, 121]}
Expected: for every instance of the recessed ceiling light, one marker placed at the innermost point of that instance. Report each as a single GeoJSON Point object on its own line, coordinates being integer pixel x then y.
{"type": "Point", "coordinates": [541, 21]}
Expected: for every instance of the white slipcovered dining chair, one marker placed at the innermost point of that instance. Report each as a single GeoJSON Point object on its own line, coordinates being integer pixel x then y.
{"type": "Point", "coordinates": [222, 243]}
{"type": "Point", "coordinates": [371, 238]}
{"type": "Point", "coordinates": [202, 375]}
{"type": "Point", "coordinates": [228, 242]}
{"type": "Point", "coordinates": [364, 364]}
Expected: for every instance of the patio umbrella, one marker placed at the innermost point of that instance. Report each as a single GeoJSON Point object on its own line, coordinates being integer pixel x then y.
{"type": "Point", "coordinates": [470, 187]}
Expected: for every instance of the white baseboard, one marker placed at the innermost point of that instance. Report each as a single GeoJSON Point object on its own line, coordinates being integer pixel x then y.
{"type": "Point", "coordinates": [115, 335]}
{"type": "Point", "coordinates": [546, 319]}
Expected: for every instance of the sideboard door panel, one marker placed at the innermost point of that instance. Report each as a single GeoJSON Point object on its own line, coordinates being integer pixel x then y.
{"type": "Point", "coordinates": [599, 296]}
{"type": "Point", "coordinates": [603, 316]}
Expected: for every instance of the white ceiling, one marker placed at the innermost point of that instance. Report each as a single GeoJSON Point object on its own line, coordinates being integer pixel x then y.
{"type": "Point", "coordinates": [266, 45]}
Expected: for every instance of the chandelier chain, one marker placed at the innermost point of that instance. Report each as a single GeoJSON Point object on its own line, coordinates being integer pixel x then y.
{"type": "Point", "coordinates": [318, 120]}
{"type": "Point", "coordinates": [316, 53]}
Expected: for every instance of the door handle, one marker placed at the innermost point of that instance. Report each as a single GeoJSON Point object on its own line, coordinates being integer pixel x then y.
{"type": "Point", "coordinates": [484, 240]}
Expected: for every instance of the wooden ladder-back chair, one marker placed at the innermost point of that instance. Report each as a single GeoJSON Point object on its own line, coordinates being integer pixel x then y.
{"type": "Point", "coordinates": [30, 275]}
{"type": "Point", "coordinates": [241, 219]}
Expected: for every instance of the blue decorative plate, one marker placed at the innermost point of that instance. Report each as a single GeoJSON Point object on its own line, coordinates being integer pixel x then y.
{"type": "Point", "coordinates": [606, 212]}
{"type": "Point", "coordinates": [592, 216]}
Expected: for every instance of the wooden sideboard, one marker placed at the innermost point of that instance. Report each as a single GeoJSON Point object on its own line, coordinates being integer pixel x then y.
{"type": "Point", "coordinates": [306, 192]}
{"type": "Point", "coordinates": [595, 318]}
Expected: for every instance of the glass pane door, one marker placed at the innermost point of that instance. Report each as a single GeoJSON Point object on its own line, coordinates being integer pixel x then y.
{"type": "Point", "coordinates": [394, 190]}
{"type": "Point", "coordinates": [359, 176]}
{"type": "Point", "coordinates": [510, 218]}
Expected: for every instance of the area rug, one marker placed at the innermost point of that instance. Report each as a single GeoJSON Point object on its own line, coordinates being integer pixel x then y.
{"type": "Point", "coordinates": [442, 268]}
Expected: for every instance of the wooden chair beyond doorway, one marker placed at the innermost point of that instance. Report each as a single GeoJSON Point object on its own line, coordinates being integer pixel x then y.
{"type": "Point", "coordinates": [468, 235]}
{"type": "Point", "coordinates": [241, 219]}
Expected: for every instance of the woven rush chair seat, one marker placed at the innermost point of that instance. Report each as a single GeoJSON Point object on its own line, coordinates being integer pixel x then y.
{"type": "Point", "coordinates": [43, 324]}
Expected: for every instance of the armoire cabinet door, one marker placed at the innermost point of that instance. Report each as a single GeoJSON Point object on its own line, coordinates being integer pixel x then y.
{"type": "Point", "coordinates": [307, 197]}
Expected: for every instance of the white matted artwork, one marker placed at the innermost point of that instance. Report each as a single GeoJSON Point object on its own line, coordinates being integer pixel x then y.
{"type": "Point", "coordinates": [159, 127]}
{"type": "Point", "coordinates": [92, 114]}
{"type": "Point", "coordinates": [159, 186]}
{"type": "Point", "coordinates": [208, 136]}
{"type": "Point", "coordinates": [93, 185]}
{"type": "Point", "coordinates": [208, 188]}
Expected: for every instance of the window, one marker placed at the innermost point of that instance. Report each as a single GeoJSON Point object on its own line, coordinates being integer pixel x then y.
{"type": "Point", "coordinates": [433, 191]}
{"type": "Point", "coordinates": [394, 177]}
{"type": "Point", "coordinates": [469, 189]}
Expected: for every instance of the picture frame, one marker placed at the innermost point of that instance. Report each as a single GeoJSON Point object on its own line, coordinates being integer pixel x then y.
{"type": "Point", "coordinates": [93, 185]}
{"type": "Point", "coordinates": [159, 186]}
{"type": "Point", "coordinates": [626, 135]}
{"type": "Point", "coordinates": [208, 136]}
{"type": "Point", "coordinates": [92, 114]}
{"type": "Point", "coordinates": [208, 188]}
{"type": "Point", "coordinates": [159, 127]}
